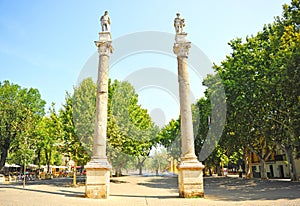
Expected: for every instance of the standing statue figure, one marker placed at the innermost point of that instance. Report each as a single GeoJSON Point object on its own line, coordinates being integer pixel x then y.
{"type": "Point", "coordinates": [179, 24]}
{"type": "Point", "coordinates": [105, 22]}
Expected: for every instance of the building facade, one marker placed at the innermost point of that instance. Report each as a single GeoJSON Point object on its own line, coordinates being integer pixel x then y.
{"type": "Point", "coordinates": [277, 165]}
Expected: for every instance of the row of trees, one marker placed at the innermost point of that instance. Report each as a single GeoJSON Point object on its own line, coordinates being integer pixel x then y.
{"type": "Point", "coordinates": [27, 134]}
{"type": "Point", "coordinates": [261, 78]}
{"type": "Point", "coordinates": [130, 131]}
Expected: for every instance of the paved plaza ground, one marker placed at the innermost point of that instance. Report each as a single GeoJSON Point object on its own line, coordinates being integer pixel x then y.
{"type": "Point", "coordinates": [152, 190]}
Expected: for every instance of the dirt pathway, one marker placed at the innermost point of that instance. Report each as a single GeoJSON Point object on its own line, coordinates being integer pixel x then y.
{"type": "Point", "coordinates": [137, 190]}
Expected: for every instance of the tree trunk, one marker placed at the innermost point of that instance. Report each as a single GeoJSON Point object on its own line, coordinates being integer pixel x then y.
{"type": "Point", "coordinates": [4, 150]}
{"type": "Point", "coordinates": [39, 158]}
{"type": "Point", "coordinates": [140, 169]}
{"type": "Point", "coordinates": [210, 172]}
{"type": "Point", "coordinates": [292, 167]}
{"type": "Point", "coordinates": [263, 157]}
{"type": "Point", "coordinates": [75, 169]}
{"type": "Point", "coordinates": [219, 172]}
{"type": "Point", "coordinates": [263, 169]}
{"type": "Point", "coordinates": [24, 172]}
{"type": "Point", "coordinates": [74, 174]}
{"type": "Point", "coordinates": [204, 171]}
{"type": "Point", "coordinates": [118, 172]}
{"type": "Point", "coordinates": [249, 173]}
{"type": "Point", "coordinates": [3, 157]}
{"type": "Point", "coordinates": [47, 161]}
{"type": "Point", "coordinates": [140, 165]}
{"type": "Point", "coordinates": [174, 166]}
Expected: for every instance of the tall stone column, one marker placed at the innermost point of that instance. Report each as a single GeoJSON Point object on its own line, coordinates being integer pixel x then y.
{"type": "Point", "coordinates": [98, 169]}
{"type": "Point", "coordinates": [190, 170]}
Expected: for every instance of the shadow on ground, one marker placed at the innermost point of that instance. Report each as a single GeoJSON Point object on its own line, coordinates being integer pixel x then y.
{"type": "Point", "coordinates": [216, 188]}
{"type": "Point", "coordinates": [66, 182]}
{"type": "Point", "coordinates": [59, 182]}
{"type": "Point", "coordinates": [162, 182]}
{"type": "Point", "coordinates": [65, 193]}
{"type": "Point", "coordinates": [236, 189]}
{"type": "Point", "coordinates": [145, 196]}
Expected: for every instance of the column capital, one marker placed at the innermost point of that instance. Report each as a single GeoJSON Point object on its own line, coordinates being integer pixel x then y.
{"type": "Point", "coordinates": [104, 48]}
{"type": "Point", "coordinates": [182, 49]}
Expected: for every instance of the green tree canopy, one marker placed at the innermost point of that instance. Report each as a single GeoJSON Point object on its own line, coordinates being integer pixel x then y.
{"type": "Point", "coordinates": [20, 111]}
{"type": "Point", "coordinates": [261, 79]}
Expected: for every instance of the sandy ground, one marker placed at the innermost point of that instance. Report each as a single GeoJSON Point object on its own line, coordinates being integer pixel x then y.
{"type": "Point", "coordinates": [139, 190]}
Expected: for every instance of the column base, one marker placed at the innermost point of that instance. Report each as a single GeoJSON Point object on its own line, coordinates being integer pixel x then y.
{"type": "Point", "coordinates": [190, 179]}
{"type": "Point", "coordinates": [97, 184]}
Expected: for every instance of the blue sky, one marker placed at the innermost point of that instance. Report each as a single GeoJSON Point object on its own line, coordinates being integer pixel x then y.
{"type": "Point", "coordinates": [45, 44]}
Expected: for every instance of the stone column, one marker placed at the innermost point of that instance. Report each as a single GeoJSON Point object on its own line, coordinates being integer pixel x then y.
{"type": "Point", "coordinates": [190, 176]}
{"type": "Point", "coordinates": [98, 169]}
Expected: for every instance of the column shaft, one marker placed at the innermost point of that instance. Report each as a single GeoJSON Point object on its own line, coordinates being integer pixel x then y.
{"type": "Point", "coordinates": [99, 147]}
{"type": "Point", "coordinates": [187, 134]}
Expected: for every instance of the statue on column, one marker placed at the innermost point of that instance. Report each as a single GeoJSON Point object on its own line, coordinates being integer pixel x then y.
{"type": "Point", "coordinates": [105, 22]}
{"type": "Point", "coordinates": [179, 24]}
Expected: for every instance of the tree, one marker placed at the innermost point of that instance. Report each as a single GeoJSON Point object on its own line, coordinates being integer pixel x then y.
{"type": "Point", "coordinates": [130, 130]}
{"type": "Point", "coordinates": [159, 161]}
{"type": "Point", "coordinates": [119, 160]}
{"type": "Point", "coordinates": [133, 132]}
{"type": "Point", "coordinates": [261, 79]}
{"type": "Point", "coordinates": [48, 133]}
{"type": "Point", "coordinates": [246, 88]}
{"type": "Point", "coordinates": [8, 111]}
{"type": "Point", "coordinates": [169, 137]}
{"type": "Point", "coordinates": [84, 101]}
{"type": "Point", "coordinates": [284, 35]}
{"type": "Point", "coordinates": [31, 109]}
{"type": "Point", "coordinates": [20, 110]}
{"type": "Point", "coordinates": [201, 111]}
{"type": "Point", "coordinates": [71, 142]}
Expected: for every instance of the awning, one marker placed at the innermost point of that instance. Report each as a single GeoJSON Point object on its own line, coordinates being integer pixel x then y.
{"type": "Point", "coordinates": [12, 165]}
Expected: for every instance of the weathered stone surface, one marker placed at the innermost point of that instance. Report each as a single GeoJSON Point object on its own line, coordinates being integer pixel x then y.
{"type": "Point", "coordinates": [190, 177]}
{"type": "Point", "coordinates": [190, 181]}
{"type": "Point", "coordinates": [104, 36]}
{"type": "Point", "coordinates": [97, 176]}
{"type": "Point", "coordinates": [97, 182]}
{"type": "Point", "coordinates": [98, 169]}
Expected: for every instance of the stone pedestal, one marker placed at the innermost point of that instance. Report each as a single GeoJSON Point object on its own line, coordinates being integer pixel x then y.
{"type": "Point", "coordinates": [97, 182]}
{"type": "Point", "coordinates": [190, 177]}
{"type": "Point", "coordinates": [190, 180]}
{"type": "Point", "coordinates": [98, 169]}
